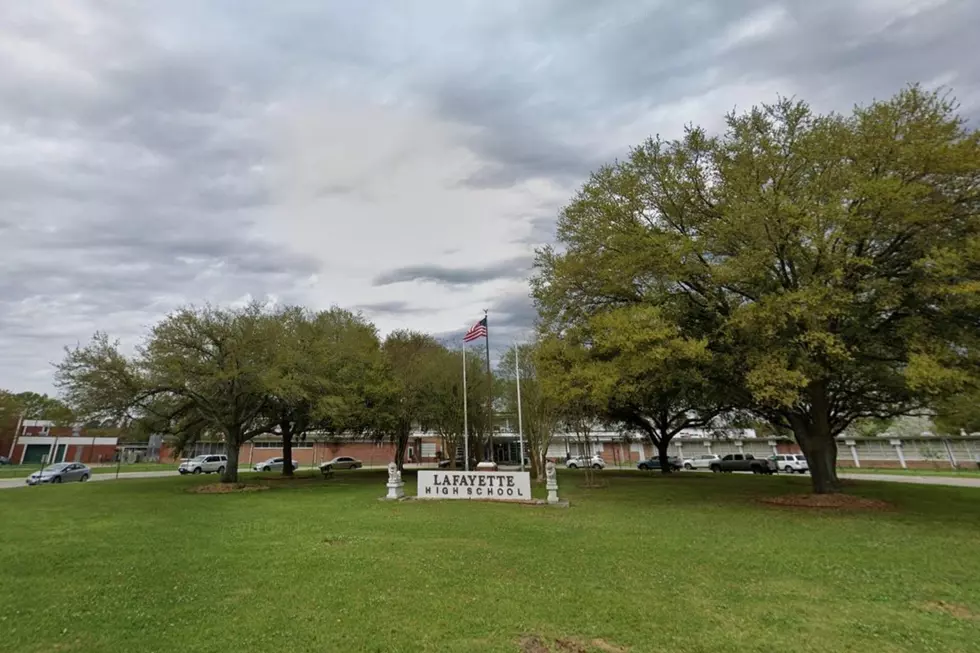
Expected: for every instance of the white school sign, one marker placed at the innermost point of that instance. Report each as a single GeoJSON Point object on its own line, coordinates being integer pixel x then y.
{"type": "Point", "coordinates": [501, 486]}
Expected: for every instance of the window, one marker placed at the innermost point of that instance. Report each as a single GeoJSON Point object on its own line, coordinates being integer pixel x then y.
{"type": "Point", "coordinates": [729, 457]}
{"type": "Point", "coordinates": [738, 456]}
{"type": "Point", "coordinates": [749, 457]}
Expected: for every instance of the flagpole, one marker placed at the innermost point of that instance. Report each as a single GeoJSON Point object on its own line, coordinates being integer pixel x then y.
{"type": "Point", "coordinates": [490, 388]}
{"type": "Point", "coordinates": [520, 424]}
{"type": "Point", "coordinates": [466, 421]}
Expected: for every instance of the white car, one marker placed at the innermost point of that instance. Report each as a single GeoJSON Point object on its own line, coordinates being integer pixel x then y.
{"type": "Point", "coordinates": [701, 462]}
{"type": "Point", "coordinates": [273, 465]}
{"type": "Point", "coordinates": [595, 462]}
{"type": "Point", "coordinates": [790, 462]}
{"type": "Point", "coordinates": [206, 464]}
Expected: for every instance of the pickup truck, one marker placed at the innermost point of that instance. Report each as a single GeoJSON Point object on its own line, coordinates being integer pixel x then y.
{"type": "Point", "coordinates": [736, 462]}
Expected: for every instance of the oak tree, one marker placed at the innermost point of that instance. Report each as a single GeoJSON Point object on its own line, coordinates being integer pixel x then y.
{"type": "Point", "coordinates": [834, 259]}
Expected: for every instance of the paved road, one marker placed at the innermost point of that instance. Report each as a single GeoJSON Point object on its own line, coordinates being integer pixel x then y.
{"type": "Point", "coordinates": [19, 482]}
{"type": "Point", "coordinates": [964, 481]}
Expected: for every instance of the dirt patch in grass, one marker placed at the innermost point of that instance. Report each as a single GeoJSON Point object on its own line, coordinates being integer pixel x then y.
{"type": "Point", "coordinates": [535, 644]}
{"type": "Point", "coordinates": [827, 501]}
{"type": "Point", "coordinates": [227, 488]}
{"type": "Point", "coordinates": [952, 609]}
{"type": "Point", "coordinates": [532, 644]}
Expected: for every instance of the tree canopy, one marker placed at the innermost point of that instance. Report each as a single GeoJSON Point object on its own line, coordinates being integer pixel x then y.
{"type": "Point", "coordinates": [832, 260]}
{"type": "Point", "coordinates": [199, 371]}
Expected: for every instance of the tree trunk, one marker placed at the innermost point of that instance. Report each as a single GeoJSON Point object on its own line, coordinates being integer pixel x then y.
{"type": "Point", "coordinates": [820, 449]}
{"type": "Point", "coordinates": [662, 455]}
{"type": "Point", "coordinates": [816, 440]}
{"type": "Point", "coordinates": [536, 464]}
{"type": "Point", "coordinates": [232, 447]}
{"type": "Point", "coordinates": [401, 445]}
{"type": "Point", "coordinates": [287, 450]}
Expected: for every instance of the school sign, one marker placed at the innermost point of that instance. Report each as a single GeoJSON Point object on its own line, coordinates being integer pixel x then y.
{"type": "Point", "coordinates": [500, 486]}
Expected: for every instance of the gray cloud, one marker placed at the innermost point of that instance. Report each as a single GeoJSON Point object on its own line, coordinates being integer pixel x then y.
{"type": "Point", "coordinates": [515, 268]}
{"type": "Point", "coordinates": [139, 149]}
{"type": "Point", "coordinates": [391, 308]}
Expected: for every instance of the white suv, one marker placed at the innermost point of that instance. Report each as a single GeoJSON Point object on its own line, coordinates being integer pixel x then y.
{"type": "Point", "coordinates": [595, 462]}
{"type": "Point", "coordinates": [204, 464]}
{"type": "Point", "coordinates": [790, 462]}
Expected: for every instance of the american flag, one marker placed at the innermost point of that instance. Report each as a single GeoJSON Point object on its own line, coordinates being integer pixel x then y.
{"type": "Point", "coordinates": [478, 330]}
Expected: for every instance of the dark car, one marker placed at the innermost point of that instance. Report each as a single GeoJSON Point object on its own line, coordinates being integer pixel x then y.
{"type": "Point", "coordinates": [654, 463]}
{"type": "Point", "coordinates": [4, 460]}
{"type": "Point", "coordinates": [736, 462]}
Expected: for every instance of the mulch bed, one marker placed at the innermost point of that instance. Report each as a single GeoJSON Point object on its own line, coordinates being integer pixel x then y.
{"type": "Point", "coordinates": [227, 488]}
{"type": "Point", "coordinates": [827, 501]}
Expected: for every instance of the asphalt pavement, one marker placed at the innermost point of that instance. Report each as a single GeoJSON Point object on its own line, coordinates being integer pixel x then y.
{"type": "Point", "coordinates": [959, 481]}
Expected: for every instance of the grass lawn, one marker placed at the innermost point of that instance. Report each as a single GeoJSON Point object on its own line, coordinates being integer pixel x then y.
{"type": "Point", "coordinates": [682, 564]}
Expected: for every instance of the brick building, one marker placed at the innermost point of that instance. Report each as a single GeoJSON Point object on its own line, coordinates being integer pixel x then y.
{"type": "Point", "coordinates": [37, 439]}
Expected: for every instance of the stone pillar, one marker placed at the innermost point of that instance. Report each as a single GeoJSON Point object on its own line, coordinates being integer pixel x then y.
{"type": "Point", "coordinates": [707, 445]}
{"type": "Point", "coordinates": [854, 452]}
{"type": "Point", "coordinates": [551, 482]}
{"type": "Point", "coordinates": [901, 454]}
{"type": "Point", "coordinates": [396, 487]}
{"type": "Point", "coordinates": [738, 445]}
{"type": "Point", "coordinates": [680, 451]}
{"type": "Point", "coordinates": [775, 448]}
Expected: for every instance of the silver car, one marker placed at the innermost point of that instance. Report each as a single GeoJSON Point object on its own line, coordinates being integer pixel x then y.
{"type": "Point", "coordinates": [273, 465]}
{"type": "Point", "coordinates": [340, 462]}
{"type": "Point", "coordinates": [61, 473]}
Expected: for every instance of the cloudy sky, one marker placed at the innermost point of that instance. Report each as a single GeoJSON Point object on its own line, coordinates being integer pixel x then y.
{"type": "Point", "coordinates": [401, 158]}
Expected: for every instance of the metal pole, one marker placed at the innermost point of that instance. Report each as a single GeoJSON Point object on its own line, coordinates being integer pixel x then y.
{"type": "Point", "coordinates": [520, 423]}
{"type": "Point", "coordinates": [489, 389]}
{"type": "Point", "coordinates": [466, 420]}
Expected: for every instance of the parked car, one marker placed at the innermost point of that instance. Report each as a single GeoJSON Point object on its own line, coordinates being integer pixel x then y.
{"type": "Point", "coordinates": [736, 462]}
{"type": "Point", "coordinates": [701, 462]}
{"type": "Point", "coordinates": [595, 462]}
{"type": "Point", "coordinates": [204, 464]}
{"type": "Point", "coordinates": [790, 462]}
{"type": "Point", "coordinates": [340, 462]}
{"type": "Point", "coordinates": [61, 473]}
{"type": "Point", "coordinates": [444, 464]}
{"type": "Point", "coordinates": [4, 460]}
{"type": "Point", "coordinates": [654, 463]}
{"type": "Point", "coordinates": [273, 465]}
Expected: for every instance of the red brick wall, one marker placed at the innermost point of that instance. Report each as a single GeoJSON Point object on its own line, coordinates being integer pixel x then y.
{"type": "Point", "coordinates": [618, 452]}
{"type": "Point", "coordinates": [99, 453]}
{"type": "Point", "coordinates": [368, 452]}
{"type": "Point", "coordinates": [102, 453]}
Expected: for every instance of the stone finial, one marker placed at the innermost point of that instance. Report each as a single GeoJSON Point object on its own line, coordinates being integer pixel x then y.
{"type": "Point", "coordinates": [551, 482]}
{"type": "Point", "coordinates": [393, 475]}
{"type": "Point", "coordinates": [396, 488]}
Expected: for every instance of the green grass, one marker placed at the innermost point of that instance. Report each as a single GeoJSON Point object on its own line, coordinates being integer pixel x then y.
{"type": "Point", "coordinates": [682, 564]}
